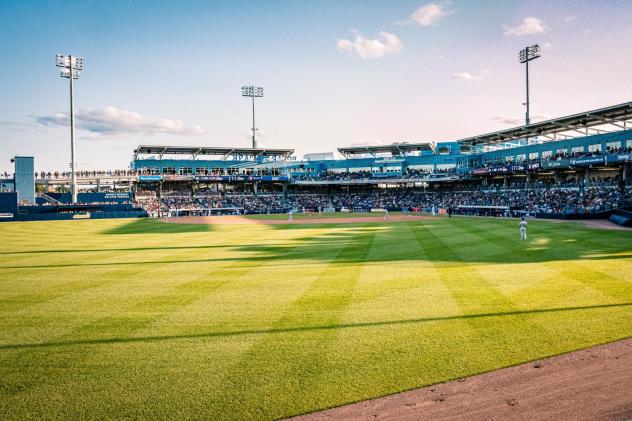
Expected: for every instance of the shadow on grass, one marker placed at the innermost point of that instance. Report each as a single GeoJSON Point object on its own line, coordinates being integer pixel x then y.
{"type": "Point", "coordinates": [153, 226]}
{"type": "Point", "coordinates": [118, 249]}
{"type": "Point", "coordinates": [479, 243]}
{"type": "Point", "coordinates": [115, 340]}
{"type": "Point", "coordinates": [438, 246]}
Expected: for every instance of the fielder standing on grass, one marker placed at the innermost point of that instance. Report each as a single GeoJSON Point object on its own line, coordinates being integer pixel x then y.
{"type": "Point", "coordinates": [290, 217]}
{"type": "Point", "coordinates": [386, 215]}
{"type": "Point", "coordinates": [523, 229]}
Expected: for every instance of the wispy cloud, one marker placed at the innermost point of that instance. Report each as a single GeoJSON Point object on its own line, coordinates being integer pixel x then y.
{"type": "Point", "coordinates": [529, 26]}
{"type": "Point", "coordinates": [430, 14]}
{"type": "Point", "coordinates": [466, 76]}
{"type": "Point", "coordinates": [371, 142]}
{"type": "Point", "coordinates": [115, 121]}
{"type": "Point", "coordinates": [384, 43]}
{"type": "Point", "coordinates": [569, 19]}
{"type": "Point", "coordinates": [511, 121]}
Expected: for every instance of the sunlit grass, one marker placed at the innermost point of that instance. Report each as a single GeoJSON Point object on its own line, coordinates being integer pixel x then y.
{"type": "Point", "coordinates": [140, 319]}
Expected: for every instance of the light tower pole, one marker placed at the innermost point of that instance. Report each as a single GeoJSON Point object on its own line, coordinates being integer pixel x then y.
{"type": "Point", "coordinates": [70, 68]}
{"type": "Point", "coordinates": [526, 55]}
{"type": "Point", "coordinates": [253, 92]}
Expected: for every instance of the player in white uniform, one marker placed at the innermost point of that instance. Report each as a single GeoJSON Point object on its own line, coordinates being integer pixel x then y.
{"type": "Point", "coordinates": [434, 211]}
{"type": "Point", "coordinates": [386, 215]}
{"type": "Point", "coordinates": [290, 217]}
{"type": "Point", "coordinates": [523, 229]}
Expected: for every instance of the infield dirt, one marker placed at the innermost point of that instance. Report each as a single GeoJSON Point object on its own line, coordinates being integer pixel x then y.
{"type": "Point", "coordinates": [591, 384]}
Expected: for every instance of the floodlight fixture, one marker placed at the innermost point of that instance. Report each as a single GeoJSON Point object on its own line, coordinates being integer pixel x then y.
{"type": "Point", "coordinates": [253, 92]}
{"type": "Point", "coordinates": [525, 56]}
{"type": "Point", "coordinates": [529, 53]}
{"type": "Point", "coordinates": [71, 67]}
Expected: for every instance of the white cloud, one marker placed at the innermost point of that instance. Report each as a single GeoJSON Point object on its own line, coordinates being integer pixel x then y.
{"type": "Point", "coordinates": [115, 121]}
{"type": "Point", "coordinates": [371, 142]}
{"type": "Point", "coordinates": [547, 46]}
{"type": "Point", "coordinates": [529, 26]}
{"type": "Point", "coordinates": [465, 76]}
{"type": "Point", "coordinates": [430, 14]}
{"type": "Point", "coordinates": [569, 19]}
{"type": "Point", "coordinates": [518, 121]}
{"type": "Point", "coordinates": [385, 43]}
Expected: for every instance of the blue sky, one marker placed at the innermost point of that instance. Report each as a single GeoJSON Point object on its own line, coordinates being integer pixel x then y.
{"type": "Point", "coordinates": [336, 73]}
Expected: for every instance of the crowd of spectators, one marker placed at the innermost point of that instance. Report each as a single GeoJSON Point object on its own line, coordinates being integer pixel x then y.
{"type": "Point", "coordinates": [93, 173]}
{"type": "Point", "coordinates": [558, 200]}
{"type": "Point", "coordinates": [545, 200]}
{"type": "Point", "coordinates": [367, 175]}
{"type": "Point", "coordinates": [152, 205]}
{"type": "Point", "coordinates": [242, 202]}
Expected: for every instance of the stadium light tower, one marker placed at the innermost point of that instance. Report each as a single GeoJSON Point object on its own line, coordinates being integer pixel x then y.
{"type": "Point", "coordinates": [71, 66]}
{"type": "Point", "coordinates": [253, 92]}
{"type": "Point", "coordinates": [526, 55]}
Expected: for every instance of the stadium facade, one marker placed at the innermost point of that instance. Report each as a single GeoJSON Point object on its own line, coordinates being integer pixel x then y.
{"type": "Point", "coordinates": [584, 145]}
{"type": "Point", "coordinates": [594, 145]}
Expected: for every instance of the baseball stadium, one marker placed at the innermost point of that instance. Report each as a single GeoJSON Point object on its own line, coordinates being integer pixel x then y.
{"type": "Point", "coordinates": [483, 277]}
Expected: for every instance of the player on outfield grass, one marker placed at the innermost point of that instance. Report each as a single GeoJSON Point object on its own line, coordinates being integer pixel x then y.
{"type": "Point", "coordinates": [386, 215]}
{"type": "Point", "coordinates": [290, 217]}
{"type": "Point", "coordinates": [523, 229]}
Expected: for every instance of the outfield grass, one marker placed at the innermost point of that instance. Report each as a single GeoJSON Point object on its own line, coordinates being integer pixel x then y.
{"type": "Point", "coordinates": [140, 319]}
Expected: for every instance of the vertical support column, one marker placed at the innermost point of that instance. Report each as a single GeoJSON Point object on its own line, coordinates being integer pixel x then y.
{"type": "Point", "coordinates": [505, 180]}
{"type": "Point", "coordinates": [627, 173]}
{"type": "Point", "coordinates": [254, 128]}
{"type": "Point", "coordinates": [284, 189]}
{"type": "Point", "coordinates": [527, 117]}
{"type": "Point", "coordinates": [72, 136]}
{"type": "Point", "coordinates": [99, 185]}
{"type": "Point", "coordinates": [255, 187]}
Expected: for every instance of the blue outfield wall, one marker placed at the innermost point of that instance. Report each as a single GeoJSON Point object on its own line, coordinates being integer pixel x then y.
{"type": "Point", "coordinates": [102, 197]}
{"type": "Point", "coordinates": [8, 205]}
{"type": "Point", "coordinates": [78, 216]}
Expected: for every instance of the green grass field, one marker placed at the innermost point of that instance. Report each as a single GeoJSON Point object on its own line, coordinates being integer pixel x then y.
{"type": "Point", "coordinates": [141, 319]}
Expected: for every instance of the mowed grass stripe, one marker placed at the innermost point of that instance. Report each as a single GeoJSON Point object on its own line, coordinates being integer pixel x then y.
{"type": "Point", "coordinates": [561, 331]}
{"type": "Point", "coordinates": [120, 313]}
{"type": "Point", "coordinates": [584, 272]}
{"type": "Point", "coordinates": [123, 326]}
{"type": "Point", "coordinates": [240, 297]}
{"type": "Point", "coordinates": [108, 293]}
{"type": "Point", "coordinates": [369, 360]}
{"type": "Point", "coordinates": [399, 325]}
{"type": "Point", "coordinates": [474, 293]}
{"type": "Point", "coordinates": [294, 361]}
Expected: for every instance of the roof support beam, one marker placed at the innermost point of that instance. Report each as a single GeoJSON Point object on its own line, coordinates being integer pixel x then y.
{"type": "Point", "coordinates": [608, 120]}
{"type": "Point", "coordinates": [227, 154]}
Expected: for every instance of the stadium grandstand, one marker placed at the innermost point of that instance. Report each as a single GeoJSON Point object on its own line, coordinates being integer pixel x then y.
{"type": "Point", "coordinates": [568, 167]}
